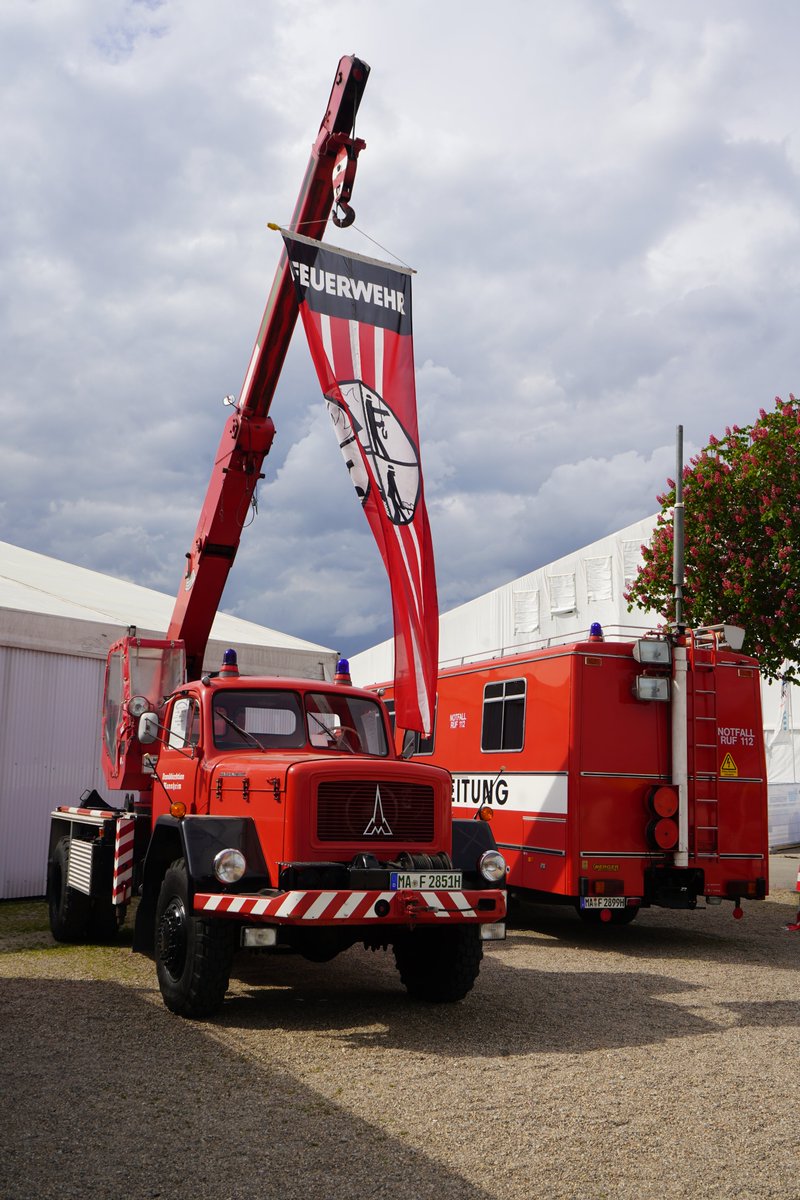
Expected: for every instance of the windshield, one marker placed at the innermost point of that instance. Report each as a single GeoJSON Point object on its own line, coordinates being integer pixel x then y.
{"type": "Point", "coordinates": [267, 720]}
{"type": "Point", "coordinates": [274, 720]}
{"type": "Point", "coordinates": [348, 723]}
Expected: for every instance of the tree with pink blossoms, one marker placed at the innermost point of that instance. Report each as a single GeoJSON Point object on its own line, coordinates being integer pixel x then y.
{"type": "Point", "coordinates": [742, 539]}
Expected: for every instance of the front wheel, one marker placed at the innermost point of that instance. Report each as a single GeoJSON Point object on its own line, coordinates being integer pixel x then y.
{"type": "Point", "coordinates": [193, 957]}
{"type": "Point", "coordinates": [439, 965]}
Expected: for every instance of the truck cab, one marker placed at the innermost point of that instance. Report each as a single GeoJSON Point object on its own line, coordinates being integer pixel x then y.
{"type": "Point", "coordinates": [273, 814]}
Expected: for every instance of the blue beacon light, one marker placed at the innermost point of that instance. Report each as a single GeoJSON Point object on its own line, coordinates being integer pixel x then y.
{"type": "Point", "coordinates": [342, 671]}
{"type": "Point", "coordinates": [230, 663]}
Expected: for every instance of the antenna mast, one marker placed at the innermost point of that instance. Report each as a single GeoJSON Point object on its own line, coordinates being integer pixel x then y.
{"type": "Point", "coordinates": [677, 532]}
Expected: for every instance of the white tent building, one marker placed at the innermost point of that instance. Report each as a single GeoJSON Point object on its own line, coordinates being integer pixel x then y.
{"type": "Point", "coordinates": [558, 603]}
{"type": "Point", "coordinates": [57, 622]}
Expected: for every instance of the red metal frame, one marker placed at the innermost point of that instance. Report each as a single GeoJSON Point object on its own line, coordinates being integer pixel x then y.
{"type": "Point", "coordinates": [249, 431]}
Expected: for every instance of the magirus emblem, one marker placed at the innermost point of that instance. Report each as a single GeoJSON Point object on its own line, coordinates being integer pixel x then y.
{"type": "Point", "coordinates": [377, 825]}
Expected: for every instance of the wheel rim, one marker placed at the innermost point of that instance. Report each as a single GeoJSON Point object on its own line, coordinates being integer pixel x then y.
{"type": "Point", "coordinates": [172, 932]}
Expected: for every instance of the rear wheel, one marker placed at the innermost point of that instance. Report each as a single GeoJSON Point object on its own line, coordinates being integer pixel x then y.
{"type": "Point", "coordinates": [193, 957]}
{"type": "Point", "coordinates": [69, 910]}
{"type": "Point", "coordinates": [439, 965]}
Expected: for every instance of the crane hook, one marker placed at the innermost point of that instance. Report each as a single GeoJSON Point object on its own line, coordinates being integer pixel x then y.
{"type": "Point", "coordinates": [343, 176]}
{"type": "Point", "coordinates": [345, 216]}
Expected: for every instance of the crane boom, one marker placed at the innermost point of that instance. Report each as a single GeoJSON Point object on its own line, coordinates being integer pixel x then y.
{"type": "Point", "coordinates": [249, 431]}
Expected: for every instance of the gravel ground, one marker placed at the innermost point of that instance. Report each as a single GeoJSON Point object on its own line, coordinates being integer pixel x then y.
{"type": "Point", "coordinates": [650, 1061]}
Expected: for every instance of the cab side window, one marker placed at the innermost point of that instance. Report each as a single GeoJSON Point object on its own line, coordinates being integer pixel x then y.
{"type": "Point", "coordinates": [503, 725]}
{"type": "Point", "coordinates": [184, 724]}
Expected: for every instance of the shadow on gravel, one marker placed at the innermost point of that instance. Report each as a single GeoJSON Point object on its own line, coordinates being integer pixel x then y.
{"type": "Point", "coordinates": [710, 934]}
{"type": "Point", "coordinates": [513, 1010]}
{"type": "Point", "coordinates": [107, 1096]}
{"type": "Point", "coordinates": [765, 1014]}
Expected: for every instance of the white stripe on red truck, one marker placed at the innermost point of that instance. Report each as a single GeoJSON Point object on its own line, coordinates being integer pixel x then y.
{"type": "Point", "coordinates": [122, 885]}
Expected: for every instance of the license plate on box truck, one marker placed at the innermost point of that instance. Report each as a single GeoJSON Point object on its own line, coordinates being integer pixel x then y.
{"type": "Point", "coordinates": [603, 902]}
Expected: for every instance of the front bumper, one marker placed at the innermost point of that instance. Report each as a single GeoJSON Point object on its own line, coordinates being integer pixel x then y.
{"type": "Point", "coordinates": [346, 907]}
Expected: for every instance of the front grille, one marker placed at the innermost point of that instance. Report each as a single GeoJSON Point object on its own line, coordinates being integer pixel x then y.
{"type": "Point", "coordinates": [375, 810]}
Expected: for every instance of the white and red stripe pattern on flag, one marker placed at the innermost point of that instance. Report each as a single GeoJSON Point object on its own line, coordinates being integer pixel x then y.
{"type": "Point", "coordinates": [357, 317]}
{"type": "Point", "coordinates": [354, 908]}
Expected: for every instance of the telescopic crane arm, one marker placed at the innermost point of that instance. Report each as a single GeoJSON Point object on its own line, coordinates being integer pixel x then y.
{"type": "Point", "coordinates": [249, 431]}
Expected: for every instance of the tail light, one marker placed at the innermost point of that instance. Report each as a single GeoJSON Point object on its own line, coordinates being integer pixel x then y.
{"type": "Point", "coordinates": [663, 801]}
{"type": "Point", "coordinates": [752, 889]}
{"type": "Point", "coordinates": [662, 833]}
{"type": "Point", "coordinates": [607, 887]}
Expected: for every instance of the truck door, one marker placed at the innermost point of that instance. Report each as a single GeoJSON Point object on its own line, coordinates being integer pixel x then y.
{"type": "Point", "coordinates": [179, 758]}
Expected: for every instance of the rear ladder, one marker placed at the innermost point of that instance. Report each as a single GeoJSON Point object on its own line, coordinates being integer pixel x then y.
{"type": "Point", "coordinates": [703, 744]}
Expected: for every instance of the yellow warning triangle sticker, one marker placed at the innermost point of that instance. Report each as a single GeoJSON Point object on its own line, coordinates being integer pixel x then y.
{"type": "Point", "coordinates": [728, 767]}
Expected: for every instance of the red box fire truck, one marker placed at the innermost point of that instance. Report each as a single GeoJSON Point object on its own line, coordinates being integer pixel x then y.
{"type": "Point", "coordinates": [617, 775]}
{"type": "Point", "coordinates": [271, 813]}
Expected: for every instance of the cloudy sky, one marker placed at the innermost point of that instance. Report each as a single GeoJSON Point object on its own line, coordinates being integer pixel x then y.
{"type": "Point", "coordinates": [600, 198]}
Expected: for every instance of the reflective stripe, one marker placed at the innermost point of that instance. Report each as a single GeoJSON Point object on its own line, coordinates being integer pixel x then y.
{"type": "Point", "coordinates": [463, 903]}
{"type": "Point", "coordinates": [354, 907]}
{"type": "Point", "coordinates": [290, 903]}
{"type": "Point", "coordinates": [433, 902]}
{"type": "Point", "coordinates": [370, 913]}
{"type": "Point", "coordinates": [350, 905]}
{"type": "Point", "coordinates": [318, 907]}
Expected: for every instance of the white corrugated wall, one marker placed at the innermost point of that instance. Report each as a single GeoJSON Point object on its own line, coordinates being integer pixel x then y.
{"type": "Point", "coordinates": [49, 753]}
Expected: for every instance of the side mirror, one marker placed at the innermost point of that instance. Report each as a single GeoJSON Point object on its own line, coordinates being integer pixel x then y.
{"type": "Point", "coordinates": [409, 744]}
{"type": "Point", "coordinates": [148, 728]}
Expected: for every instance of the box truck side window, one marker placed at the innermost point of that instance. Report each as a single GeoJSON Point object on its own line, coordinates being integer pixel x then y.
{"type": "Point", "coordinates": [422, 745]}
{"type": "Point", "coordinates": [503, 725]}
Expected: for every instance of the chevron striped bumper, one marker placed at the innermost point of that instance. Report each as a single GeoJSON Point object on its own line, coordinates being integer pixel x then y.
{"type": "Point", "coordinates": [337, 908]}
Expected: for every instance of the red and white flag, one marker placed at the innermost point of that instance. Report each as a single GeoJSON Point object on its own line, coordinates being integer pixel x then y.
{"type": "Point", "coordinates": [357, 317]}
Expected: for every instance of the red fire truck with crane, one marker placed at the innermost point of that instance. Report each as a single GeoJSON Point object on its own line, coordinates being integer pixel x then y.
{"type": "Point", "coordinates": [271, 813]}
{"type": "Point", "coordinates": [617, 774]}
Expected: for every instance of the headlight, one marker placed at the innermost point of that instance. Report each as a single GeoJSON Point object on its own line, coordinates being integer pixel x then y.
{"type": "Point", "coordinates": [492, 866]}
{"type": "Point", "coordinates": [229, 866]}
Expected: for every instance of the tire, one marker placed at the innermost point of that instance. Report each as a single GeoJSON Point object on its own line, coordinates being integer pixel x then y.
{"type": "Point", "coordinates": [439, 965]}
{"type": "Point", "coordinates": [193, 957]}
{"type": "Point", "coordinates": [69, 910]}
